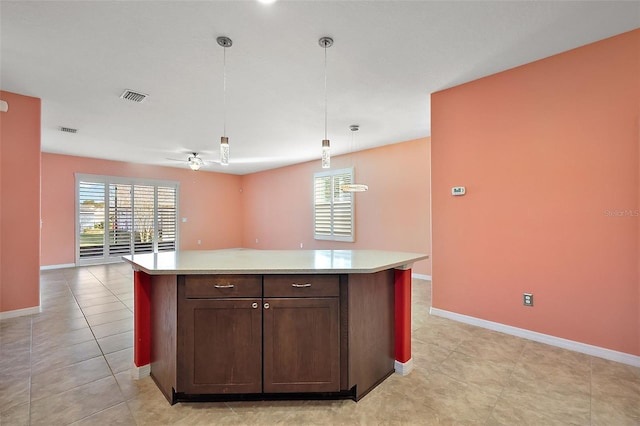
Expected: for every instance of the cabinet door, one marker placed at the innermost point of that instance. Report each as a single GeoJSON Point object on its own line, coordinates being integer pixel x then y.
{"type": "Point", "coordinates": [301, 345]}
{"type": "Point", "coordinates": [222, 346]}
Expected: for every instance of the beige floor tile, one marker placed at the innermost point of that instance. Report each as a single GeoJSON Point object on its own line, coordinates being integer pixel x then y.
{"type": "Point", "coordinates": [60, 380]}
{"type": "Point", "coordinates": [492, 346]}
{"type": "Point", "coordinates": [17, 415]}
{"type": "Point", "coordinates": [103, 308]}
{"type": "Point", "coordinates": [490, 376]}
{"type": "Point", "coordinates": [118, 415]}
{"type": "Point", "coordinates": [615, 391]}
{"type": "Point", "coordinates": [85, 303]}
{"type": "Point", "coordinates": [111, 328]}
{"type": "Point", "coordinates": [60, 357]}
{"type": "Point", "coordinates": [555, 403]}
{"type": "Point", "coordinates": [77, 403]}
{"type": "Point", "coordinates": [446, 333]}
{"type": "Point", "coordinates": [135, 388]}
{"type": "Point", "coordinates": [14, 360]}
{"type": "Point", "coordinates": [120, 361]}
{"type": "Point", "coordinates": [116, 342]}
{"type": "Point", "coordinates": [61, 325]}
{"type": "Point", "coordinates": [14, 388]}
{"type": "Point", "coordinates": [428, 355]}
{"type": "Point", "coordinates": [106, 317]}
{"type": "Point", "coordinates": [455, 400]}
{"type": "Point", "coordinates": [48, 341]}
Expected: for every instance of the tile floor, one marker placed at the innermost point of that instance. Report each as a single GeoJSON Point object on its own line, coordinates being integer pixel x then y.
{"type": "Point", "coordinates": [70, 364]}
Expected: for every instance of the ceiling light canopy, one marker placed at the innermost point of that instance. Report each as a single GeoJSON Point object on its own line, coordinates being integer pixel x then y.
{"type": "Point", "coordinates": [224, 42]}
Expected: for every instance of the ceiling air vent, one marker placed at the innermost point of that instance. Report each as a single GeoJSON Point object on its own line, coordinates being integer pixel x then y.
{"type": "Point", "coordinates": [130, 95]}
{"type": "Point", "coordinates": [68, 129]}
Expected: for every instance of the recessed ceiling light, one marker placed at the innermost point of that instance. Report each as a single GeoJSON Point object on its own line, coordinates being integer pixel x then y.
{"type": "Point", "coordinates": [267, 1]}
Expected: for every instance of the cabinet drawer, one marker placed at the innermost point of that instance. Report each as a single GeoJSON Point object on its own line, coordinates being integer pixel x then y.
{"type": "Point", "coordinates": [222, 286]}
{"type": "Point", "coordinates": [301, 286]}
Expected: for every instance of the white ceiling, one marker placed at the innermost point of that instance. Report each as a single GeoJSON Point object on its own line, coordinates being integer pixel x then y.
{"type": "Point", "coordinates": [388, 57]}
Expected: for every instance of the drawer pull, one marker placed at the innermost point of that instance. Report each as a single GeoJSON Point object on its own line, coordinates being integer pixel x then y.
{"type": "Point", "coordinates": [254, 305]}
{"type": "Point", "coordinates": [301, 285]}
{"type": "Point", "coordinates": [224, 286]}
{"type": "Point", "coordinates": [266, 306]}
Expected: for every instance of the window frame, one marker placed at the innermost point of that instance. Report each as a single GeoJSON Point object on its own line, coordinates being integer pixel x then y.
{"type": "Point", "coordinates": [333, 235]}
{"type": "Point", "coordinates": [106, 182]}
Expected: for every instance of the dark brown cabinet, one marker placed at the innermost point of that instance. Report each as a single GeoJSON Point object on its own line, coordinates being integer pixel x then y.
{"type": "Point", "coordinates": [260, 335]}
{"type": "Point", "coordinates": [220, 334]}
{"type": "Point", "coordinates": [301, 333]}
{"type": "Point", "coordinates": [222, 348]}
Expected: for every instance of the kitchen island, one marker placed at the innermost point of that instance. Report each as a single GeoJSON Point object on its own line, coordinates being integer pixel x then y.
{"type": "Point", "coordinates": [262, 324]}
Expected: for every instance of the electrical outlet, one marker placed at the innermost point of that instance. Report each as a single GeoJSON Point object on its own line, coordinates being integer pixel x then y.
{"type": "Point", "coordinates": [527, 299]}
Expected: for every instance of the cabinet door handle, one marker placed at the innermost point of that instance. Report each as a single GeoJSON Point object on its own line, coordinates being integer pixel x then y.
{"type": "Point", "coordinates": [266, 306]}
{"type": "Point", "coordinates": [254, 305]}
{"type": "Point", "coordinates": [224, 286]}
{"type": "Point", "coordinates": [301, 285]}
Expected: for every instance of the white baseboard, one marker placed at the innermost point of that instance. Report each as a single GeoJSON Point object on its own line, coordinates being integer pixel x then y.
{"type": "Point", "coordinates": [403, 368]}
{"type": "Point", "coordinates": [421, 277]}
{"type": "Point", "coordinates": [61, 266]}
{"type": "Point", "coordinates": [20, 312]}
{"type": "Point", "coordinates": [138, 373]}
{"type": "Point", "coordinates": [572, 345]}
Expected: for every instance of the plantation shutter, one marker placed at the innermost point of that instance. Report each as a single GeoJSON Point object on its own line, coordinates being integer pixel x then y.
{"type": "Point", "coordinates": [167, 218]}
{"type": "Point", "coordinates": [143, 218]}
{"type": "Point", "coordinates": [333, 208]}
{"type": "Point", "coordinates": [91, 212]}
{"type": "Point", "coordinates": [120, 219]}
{"type": "Point", "coordinates": [120, 216]}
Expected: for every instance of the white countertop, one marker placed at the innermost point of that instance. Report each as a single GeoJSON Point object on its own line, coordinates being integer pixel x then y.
{"type": "Point", "coordinates": [249, 261]}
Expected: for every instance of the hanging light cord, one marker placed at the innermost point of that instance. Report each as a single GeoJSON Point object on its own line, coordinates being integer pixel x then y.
{"type": "Point", "coordinates": [325, 92]}
{"type": "Point", "coordinates": [224, 91]}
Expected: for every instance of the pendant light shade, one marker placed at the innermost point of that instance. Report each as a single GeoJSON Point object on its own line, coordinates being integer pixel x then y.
{"type": "Point", "coordinates": [326, 154]}
{"type": "Point", "coordinates": [354, 187]}
{"type": "Point", "coordinates": [325, 43]}
{"type": "Point", "coordinates": [224, 151]}
{"type": "Point", "coordinates": [224, 42]}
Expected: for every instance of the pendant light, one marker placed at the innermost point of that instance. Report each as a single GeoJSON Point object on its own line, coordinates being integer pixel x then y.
{"type": "Point", "coordinates": [224, 140]}
{"type": "Point", "coordinates": [325, 43]}
{"type": "Point", "coordinates": [354, 187]}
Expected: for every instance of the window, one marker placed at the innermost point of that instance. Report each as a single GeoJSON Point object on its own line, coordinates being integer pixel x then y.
{"type": "Point", "coordinates": [332, 207]}
{"type": "Point", "coordinates": [119, 216]}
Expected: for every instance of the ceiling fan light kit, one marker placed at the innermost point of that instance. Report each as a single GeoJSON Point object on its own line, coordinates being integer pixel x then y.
{"type": "Point", "coordinates": [195, 162]}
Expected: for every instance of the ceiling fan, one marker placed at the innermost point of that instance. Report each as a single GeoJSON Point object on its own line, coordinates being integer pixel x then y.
{"type": "Point", "coordinates": [195, 162]}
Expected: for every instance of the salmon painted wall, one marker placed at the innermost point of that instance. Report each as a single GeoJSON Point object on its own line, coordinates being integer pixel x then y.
{"type": "Point", "coordinates": [392, 215]}
{"type": "Point", "coordinates": [211, 202]}
{"type": "Point", "coordinates": [20, 193]}
{"type": "Point", "coordinates": [549, 154]}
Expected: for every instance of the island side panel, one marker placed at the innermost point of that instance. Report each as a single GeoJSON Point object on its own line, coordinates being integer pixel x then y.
{"type": "Point", "coordinates": [141, 321]}
{"type": "Point", "coordinates": [371, 329]}
{"type": "Point", "coordinates": [163, 332]}
{"type": "Point", "coordinates": [403, 319]}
